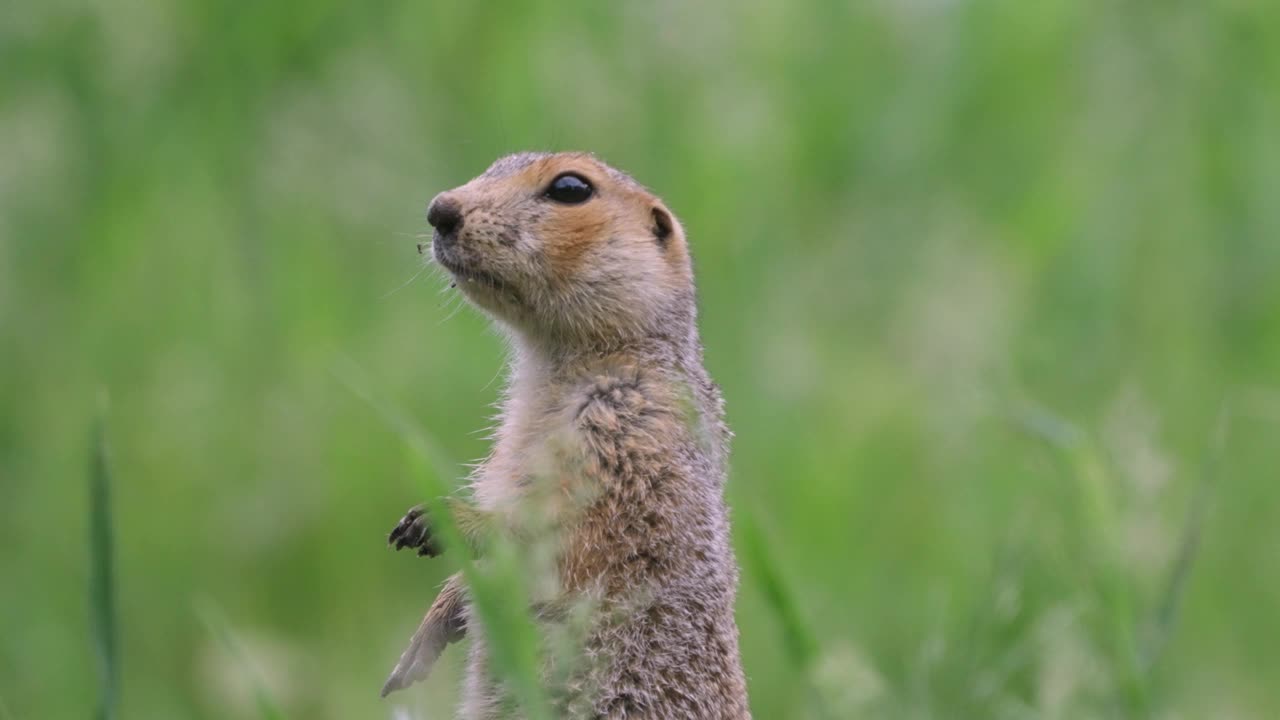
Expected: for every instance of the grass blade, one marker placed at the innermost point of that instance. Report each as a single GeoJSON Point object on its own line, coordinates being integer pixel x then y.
{"type": "Point", "coordinates": [102, 604]}
{"type": "Point", "coordinates": [803, 647]}
{"type": "Point", "coordinates": [1166, 615]}
{"type": "Point", "coordinates": [497, 590]}
{"type": "Point", "coordinates": [801, 642]}
{"type": "Point", "coordinates": [216, 622]}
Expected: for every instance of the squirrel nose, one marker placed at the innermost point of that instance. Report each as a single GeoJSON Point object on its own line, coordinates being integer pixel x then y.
{"type": "Point", "coordinates": [445, 215]}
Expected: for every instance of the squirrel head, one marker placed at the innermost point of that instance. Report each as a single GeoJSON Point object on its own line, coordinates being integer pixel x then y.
{"type": "Point", "coordinates": [566, 251]}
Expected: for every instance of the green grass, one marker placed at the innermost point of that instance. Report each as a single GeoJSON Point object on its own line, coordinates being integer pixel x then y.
{"type": "Point", "coordinates": [220, 628]}
{"type": "Point", "coordinates": [496, 586]}
{"type": "Point", "coordinates": [977, 280]}
{"type": "Point", "coordinates": [803, 649]}
{"type": "Point", "coordinates": [102, 592]}
{"type": "Point", "coordinates": [1161, 626]}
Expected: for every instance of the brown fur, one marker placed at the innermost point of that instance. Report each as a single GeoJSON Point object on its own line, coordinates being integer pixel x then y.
{"type": "Point", "coordinates": [576, 230]}
{"type": "Point", "coordinates": [608, 406]}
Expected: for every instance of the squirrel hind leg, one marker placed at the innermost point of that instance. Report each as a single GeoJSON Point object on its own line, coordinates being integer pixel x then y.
{"type": "Point", "coordinates": [444, 623]}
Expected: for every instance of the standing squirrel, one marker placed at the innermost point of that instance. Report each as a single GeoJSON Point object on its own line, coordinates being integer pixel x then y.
{"type": "Point", "coordinates": [611, 425]}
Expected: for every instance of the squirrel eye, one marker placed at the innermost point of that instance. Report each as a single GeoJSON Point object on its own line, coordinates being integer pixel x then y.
{"type": "Point", "coordinates": [570, 189]}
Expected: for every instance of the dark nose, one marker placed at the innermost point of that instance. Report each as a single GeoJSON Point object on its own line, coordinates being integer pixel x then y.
{"type": "Point", "coordinates": [445, 215]}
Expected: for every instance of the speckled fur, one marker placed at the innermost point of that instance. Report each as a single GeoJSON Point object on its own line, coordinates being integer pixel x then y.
{"type": "Point", "coordinates": [609, 400]}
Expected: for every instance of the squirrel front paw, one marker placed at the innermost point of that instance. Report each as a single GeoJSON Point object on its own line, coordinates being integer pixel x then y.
{"type": "Point", "coordinates": [414, 531]}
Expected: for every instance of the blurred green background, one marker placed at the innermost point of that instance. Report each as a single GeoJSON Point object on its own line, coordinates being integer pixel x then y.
{"type": "Point", "coordinates": [992, 288]}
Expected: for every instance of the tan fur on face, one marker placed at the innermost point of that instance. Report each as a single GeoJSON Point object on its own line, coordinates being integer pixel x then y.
{"type": "Point", "coordinates": [576, 231]}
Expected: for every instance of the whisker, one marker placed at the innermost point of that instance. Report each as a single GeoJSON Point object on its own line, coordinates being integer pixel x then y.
{"type": "Point", "coordinates": [405, 284]}
{"type": "Point", "coordinates": [498, 373]}
{"type": "Point", "coordinates": [457, 309]}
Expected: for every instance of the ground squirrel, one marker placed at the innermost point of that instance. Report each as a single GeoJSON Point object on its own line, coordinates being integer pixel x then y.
{"type": "Point", "coordinates": [609, 410]}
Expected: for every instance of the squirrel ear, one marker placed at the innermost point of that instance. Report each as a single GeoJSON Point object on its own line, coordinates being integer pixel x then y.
{"type": "Point", "coordinates": [663, 225]}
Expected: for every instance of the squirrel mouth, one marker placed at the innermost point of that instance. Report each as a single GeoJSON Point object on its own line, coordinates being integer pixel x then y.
{"type": "Point", "coordinates": [471, 277]}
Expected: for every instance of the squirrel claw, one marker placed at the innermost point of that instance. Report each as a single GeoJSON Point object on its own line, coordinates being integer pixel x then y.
{"type": "Point", "coordinates": [413, 531]}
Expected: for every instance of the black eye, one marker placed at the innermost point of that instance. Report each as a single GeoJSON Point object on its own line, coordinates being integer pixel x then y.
{"type": "Point", "coordinates": [570, 189]}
